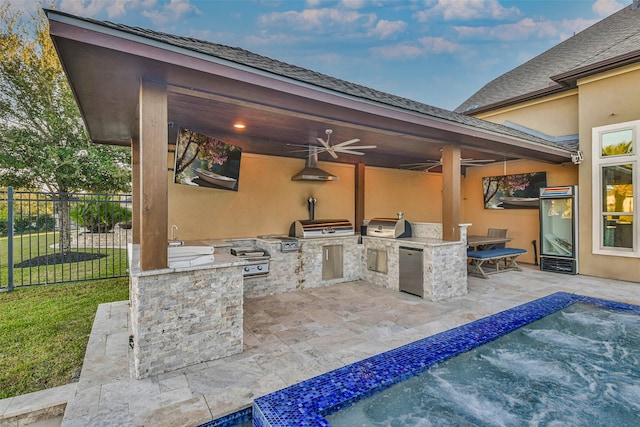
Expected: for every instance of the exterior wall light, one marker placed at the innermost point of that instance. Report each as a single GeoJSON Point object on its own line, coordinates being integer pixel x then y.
{"type": "Point", "coordinates": [576, 157]}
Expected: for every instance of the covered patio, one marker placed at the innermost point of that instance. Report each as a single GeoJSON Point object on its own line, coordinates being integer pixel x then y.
{"type": "Point", "coordinates": [133, 85]}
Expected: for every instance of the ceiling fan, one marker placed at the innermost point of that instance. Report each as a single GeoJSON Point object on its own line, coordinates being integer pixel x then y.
{"type": "Point", "coordinates": [429, 165]}
{"type": "Point", "coordinates": [343, 147]}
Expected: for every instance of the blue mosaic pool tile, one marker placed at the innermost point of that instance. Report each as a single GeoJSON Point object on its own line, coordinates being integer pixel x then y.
{"type": "Point", "coordinates": [305, 403]}
{"type": "Point", "coordinates": [235, 419]}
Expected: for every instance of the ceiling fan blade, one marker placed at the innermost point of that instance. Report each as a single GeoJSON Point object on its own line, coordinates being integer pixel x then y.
{"type": "Point", "coordinates": [324, 143]}
{"type": "Point", "coordinates": [345, 151]}
{"type": "Point", "coordinates": [289, 144]}
{"type": "Point", "coordinates": [431, 167]}
{"type": "Point", "coordinates": [420, 164]}
{"type": "Point", "coordinates": [362, 147]}
{"type": "Point", "coordinates": [471, 161]}
{"type": "Point", "coordinates": [349, 142]}
{"type": "Point", "coordinates": [332, 152]}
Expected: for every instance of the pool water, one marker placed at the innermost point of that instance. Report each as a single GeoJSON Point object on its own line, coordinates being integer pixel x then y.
{"type": "Point", "coordinates": [579, 366]}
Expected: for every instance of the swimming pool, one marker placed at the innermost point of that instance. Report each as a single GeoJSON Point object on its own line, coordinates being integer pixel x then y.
{"type": "Point", "coordinates": [308, 402]}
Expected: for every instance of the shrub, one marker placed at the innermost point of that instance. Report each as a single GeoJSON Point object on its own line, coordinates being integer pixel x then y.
{"type": "Point", "coordinates": [99, 214]}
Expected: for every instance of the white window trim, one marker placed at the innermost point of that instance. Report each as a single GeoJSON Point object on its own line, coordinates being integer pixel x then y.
{"type": "Point", "coordinates": [597, 161]}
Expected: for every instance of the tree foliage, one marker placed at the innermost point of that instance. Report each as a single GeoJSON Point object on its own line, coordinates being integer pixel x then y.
{"type": "Point", "coordinates": [43, 141]}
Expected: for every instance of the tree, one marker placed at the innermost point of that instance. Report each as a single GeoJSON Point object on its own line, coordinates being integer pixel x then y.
{"type": "Point", "coordinates": [43, 142]}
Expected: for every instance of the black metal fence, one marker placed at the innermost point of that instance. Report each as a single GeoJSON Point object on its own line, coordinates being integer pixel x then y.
{"type": "Point", "coordinates": [61, 237]}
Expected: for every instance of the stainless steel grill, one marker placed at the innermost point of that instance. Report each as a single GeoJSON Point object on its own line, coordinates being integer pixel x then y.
{"type": "Point", "coordinates": [311, 228]}
{"type": "Point", "coordinates": [393, 228]}
{"type": "Point", "coordinates": [258, 260]}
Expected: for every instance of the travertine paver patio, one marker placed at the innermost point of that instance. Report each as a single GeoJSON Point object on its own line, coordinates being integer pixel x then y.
{"type": "Point", "coordinates": [288, 338]}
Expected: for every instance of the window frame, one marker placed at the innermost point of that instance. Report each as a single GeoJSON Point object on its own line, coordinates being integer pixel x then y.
{"type": "Point", "coordinates": [598, 162]}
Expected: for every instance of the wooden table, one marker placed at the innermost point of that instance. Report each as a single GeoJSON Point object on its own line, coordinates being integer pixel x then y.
{"type": "Point", "coordinates": [485, 242]}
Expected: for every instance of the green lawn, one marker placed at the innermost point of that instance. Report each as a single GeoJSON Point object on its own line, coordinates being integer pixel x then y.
{"type": "Point", "coordinates": [32, 245]}
{"type": "Point", "coordinates": [44, 332]}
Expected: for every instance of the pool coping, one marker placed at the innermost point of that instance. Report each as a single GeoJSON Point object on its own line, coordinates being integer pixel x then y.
{"type": "Point", "coordinates": [306, 403]}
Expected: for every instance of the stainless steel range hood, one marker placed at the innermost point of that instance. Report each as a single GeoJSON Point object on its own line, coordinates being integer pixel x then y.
{"type": "Point", "coordinates": [311, 172]}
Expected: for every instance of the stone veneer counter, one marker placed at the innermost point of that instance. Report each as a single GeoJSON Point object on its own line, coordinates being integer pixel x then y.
{"type": "Point", "coordinates": [444, 265]}
{"type": "Point", "coordinates": [187, 315]}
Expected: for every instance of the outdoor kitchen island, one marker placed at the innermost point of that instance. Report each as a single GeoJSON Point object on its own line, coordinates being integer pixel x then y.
{"type": "Point", "coordinates": [444, 263]}
{"type": "Point", "coordinates": [192, 314]}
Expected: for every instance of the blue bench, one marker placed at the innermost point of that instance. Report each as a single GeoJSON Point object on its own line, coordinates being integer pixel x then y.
{"type": "Point", "coordinates": [492, 261]}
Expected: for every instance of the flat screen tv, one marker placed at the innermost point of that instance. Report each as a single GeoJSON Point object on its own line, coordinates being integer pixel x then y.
{"type": "Point", "coordinates": [516, 191]}
{"type": "Point", "coordinates": [204, 161]}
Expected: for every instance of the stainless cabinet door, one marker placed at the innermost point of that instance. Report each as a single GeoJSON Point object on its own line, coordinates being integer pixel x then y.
{"type": "Point", "coordinates": [332, 262]}
{"type": "Point", "coordinates": [411, 271]}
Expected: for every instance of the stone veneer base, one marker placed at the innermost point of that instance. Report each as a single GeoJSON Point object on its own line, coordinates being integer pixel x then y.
{"type": "Point", "coordinates": [183, 318]}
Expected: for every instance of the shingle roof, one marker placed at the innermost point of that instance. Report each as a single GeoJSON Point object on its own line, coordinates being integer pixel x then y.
{"type": "Point", "coordinates": [263, 63]}
{"type": "Point", "coordinates": [613, 37]}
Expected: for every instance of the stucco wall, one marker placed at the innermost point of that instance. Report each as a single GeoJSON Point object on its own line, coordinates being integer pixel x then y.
{"type": "Point", "coordinates": [268, 201]}
{"type": "Point", "coordinates": [523, 224]}
{"type": "Point", "coordinates": [605, 99]}
{"type": "Point", "coordinates": [555, 115]}
{"type": "Point", "coordinates": [418, 195]}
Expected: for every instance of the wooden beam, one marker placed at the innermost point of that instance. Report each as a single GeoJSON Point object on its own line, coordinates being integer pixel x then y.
{"type": "Point", "coordinates": [451, 194]}
{"type": "Point", "coordinates": [359, 192]}
{"type": "Point", "coordinates": [153, 176]}
{"type": "Point", "coordinates": [136, 188]}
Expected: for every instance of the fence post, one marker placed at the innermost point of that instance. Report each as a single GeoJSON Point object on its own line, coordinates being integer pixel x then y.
{"type": "Point", "coordinates": [10, 238]}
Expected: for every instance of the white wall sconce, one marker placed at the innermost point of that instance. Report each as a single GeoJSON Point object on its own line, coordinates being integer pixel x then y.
{"type": "Point", "coordinates": [576, 157]}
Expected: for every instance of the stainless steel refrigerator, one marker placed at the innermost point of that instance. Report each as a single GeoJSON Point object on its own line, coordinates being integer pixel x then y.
{"type": "Point", "coordinates": [559, 229]}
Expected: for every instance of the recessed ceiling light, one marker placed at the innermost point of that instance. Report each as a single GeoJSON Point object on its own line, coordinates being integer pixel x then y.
{"type": "Point", "coordinates": [239, 126]}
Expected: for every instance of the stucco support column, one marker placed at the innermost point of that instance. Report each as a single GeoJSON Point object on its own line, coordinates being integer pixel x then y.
{"type": "Point", "coordinates": [451, 195]}
{"type": "Point", "coordinates": [359, 192]}
{"type": "Point", "coordinates": [153, 175]}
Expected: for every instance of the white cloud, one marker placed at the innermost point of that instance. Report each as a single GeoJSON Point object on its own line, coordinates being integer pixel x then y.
{"type": "Point", "coordinates": [424, 47]}
{"type": "Point", "coordinates": [467, 10]}
{"type": "Point", "coordinates": [319, 20]}
{"type": "Point", "coordinates": [171, 11]}
{"type": "Point", "coordinates": [113, 8]}
{"type": "Point", "coordinates": [605, 8]}
{"type": "Point", "coordinates": [353, 4]}
{"type": "Point", "coordinates": [385, 29]}
{"type": "Point", "coordinates": [159, 12]}
{"type": "Point", "coordinates": [397, 51]}
{"type": "Point", "coordinates": [438, 45]}
{"type": "Point", "coordinates": [525, 29]}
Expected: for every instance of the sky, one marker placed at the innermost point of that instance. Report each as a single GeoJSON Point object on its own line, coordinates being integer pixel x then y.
{"type": "Point", "coordinates": [439, 52]}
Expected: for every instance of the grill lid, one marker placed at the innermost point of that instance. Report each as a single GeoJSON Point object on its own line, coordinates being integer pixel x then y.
{"type": "Point", "coordinates": [389, 227]}
{"type": "Point", "coordinates": [321, 228]}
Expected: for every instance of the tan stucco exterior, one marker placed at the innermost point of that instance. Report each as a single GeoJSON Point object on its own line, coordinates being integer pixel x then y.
{"type": "Point", "coordinates": [605, 99]}
{"type": "Point", "coordinates": [555, 115]}
{"type": "Point", "coordinates": [602, 99]}
{"type": "Point", "coordinates": [268, 201]}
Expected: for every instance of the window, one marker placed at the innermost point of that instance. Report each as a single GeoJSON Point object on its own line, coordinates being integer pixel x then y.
{"type": "Point", "coordinates": [615, 178]}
